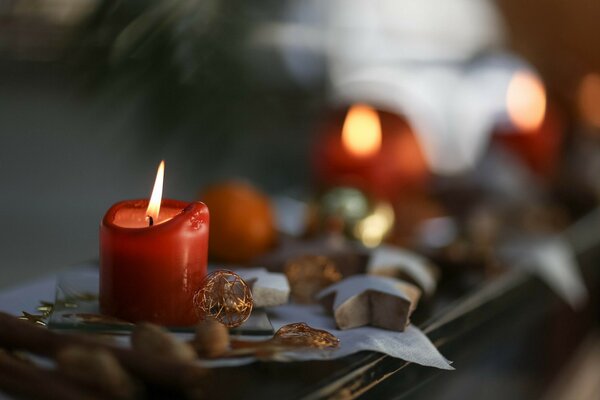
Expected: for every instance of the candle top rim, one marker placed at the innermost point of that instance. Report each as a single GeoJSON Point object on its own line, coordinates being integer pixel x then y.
{"type": "Point", "coordinates": [142, 204]}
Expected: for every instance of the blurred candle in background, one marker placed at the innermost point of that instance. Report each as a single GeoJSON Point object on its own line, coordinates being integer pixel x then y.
{"type": "Point", "coordinates": [373, 150]}
{"type": "Point", "coordinates": [526, 101]}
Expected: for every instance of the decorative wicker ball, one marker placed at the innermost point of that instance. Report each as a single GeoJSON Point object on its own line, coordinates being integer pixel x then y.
{"type": "Point", "coordinates": [224, 296]}
{"type": "Point", "coordinates": [308, 275]}
{"type": "Point", "coordinates": [302, 335]}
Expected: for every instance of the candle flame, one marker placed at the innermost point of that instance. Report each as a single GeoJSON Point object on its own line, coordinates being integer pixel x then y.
{"type": "Point", "coordinates": [156, 197]}
{"type": "Point", "coordinates": [361, 134]}
{"type": "Point", "coordinates": [526, 101]}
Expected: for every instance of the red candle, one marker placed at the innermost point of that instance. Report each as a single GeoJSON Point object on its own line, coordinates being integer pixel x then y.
{"type": "Point", "coordinates": [153, 257]}
{"type": "Point", "coordinates": [373, 150]}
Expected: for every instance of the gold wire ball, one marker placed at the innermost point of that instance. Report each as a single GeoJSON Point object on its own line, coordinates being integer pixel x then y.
{"type": "Point", "coordinates": [308, 275]}
{"type": "Point", "coordinates": [224, 296]}
{"type": "Point", "coordinates": [302, 335]}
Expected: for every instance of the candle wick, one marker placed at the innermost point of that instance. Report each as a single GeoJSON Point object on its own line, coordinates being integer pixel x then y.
{"type": "Point", "coordinates": [150, 221]}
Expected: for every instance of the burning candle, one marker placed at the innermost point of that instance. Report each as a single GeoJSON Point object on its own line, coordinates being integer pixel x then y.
{"type": "Point", "coordinates": [153, 258]}
{"type": "Point", "coordinates": [370, 149]}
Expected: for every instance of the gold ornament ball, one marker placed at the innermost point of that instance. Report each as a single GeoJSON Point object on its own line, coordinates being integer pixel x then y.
{"type": "Point", "coordinates": [302, 335]}
{"type": "Point", "coordinates": [224, 296]}
{"type": "Point", "coordinates": [349, 210]}
{"type": "Point", "coordinates": [308, 275]}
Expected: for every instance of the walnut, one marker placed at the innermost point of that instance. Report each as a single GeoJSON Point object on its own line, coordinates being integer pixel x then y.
{"type": "Point", "coordinates": [97, 368]}
{"type": "Point", "coordinates": [152, 339]}
{"type": "Point", "coordinates": [212, 338]}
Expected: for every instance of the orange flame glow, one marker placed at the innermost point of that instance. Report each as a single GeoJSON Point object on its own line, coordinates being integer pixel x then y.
{"type": "Point", "coordinates": [361, 134]}
{"type": "Point", "coordinates": [526, 101]}
{"type": "Point", "coordinates": [156, 197]}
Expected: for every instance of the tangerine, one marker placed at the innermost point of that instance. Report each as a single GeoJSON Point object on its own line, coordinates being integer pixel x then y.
{"type": "Point", "coordinates": [242, 225]}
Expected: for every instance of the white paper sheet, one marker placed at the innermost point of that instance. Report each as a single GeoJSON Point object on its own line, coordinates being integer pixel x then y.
{"type": "Point", "coordinates": [553, 259]}
{"type": "Point", "coordinates": [411, 345]}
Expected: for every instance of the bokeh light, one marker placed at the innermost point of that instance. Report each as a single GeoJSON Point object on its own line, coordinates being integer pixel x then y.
{"type": "Point", "coordinates": [526, 101]}
{"type": "Point", "coordinates": [361, 134]}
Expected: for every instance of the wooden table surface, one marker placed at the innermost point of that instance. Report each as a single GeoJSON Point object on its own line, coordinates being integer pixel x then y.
{"type": "Point", "coordinates": [507, 336]}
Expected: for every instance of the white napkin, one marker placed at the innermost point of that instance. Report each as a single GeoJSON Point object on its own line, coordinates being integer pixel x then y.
{"type": "Point", "coordinates": [411, 345]}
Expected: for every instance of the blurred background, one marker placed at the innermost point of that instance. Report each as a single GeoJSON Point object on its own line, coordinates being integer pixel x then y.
{"type": "Point", "coordinates": [95, 93]}
{"type": "Point", "coordinates": [453, 118]}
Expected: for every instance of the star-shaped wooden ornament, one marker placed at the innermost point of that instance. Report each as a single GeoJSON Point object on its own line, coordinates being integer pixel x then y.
{"type": "Point", "coordinates": [371, 300]}
{"type": "Point", "coordinates": [403, 264]}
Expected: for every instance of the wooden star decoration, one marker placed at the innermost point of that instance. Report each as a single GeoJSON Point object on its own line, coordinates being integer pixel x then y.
{"type": "Point", "coordinates": [402, 264]}
{"type": "Point", "coordinates": [371, 300]}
